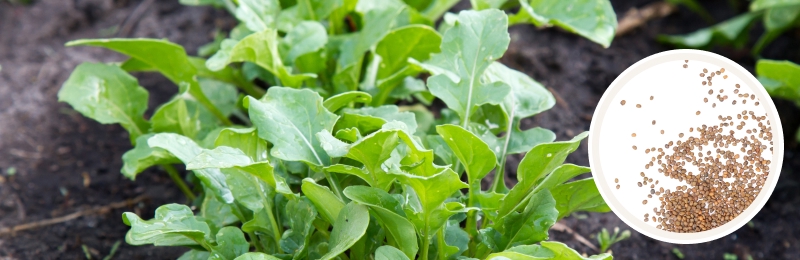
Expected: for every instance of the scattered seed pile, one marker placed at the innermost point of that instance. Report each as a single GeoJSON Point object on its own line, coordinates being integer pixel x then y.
{"type": "Point", "coordinates": [730, 173]}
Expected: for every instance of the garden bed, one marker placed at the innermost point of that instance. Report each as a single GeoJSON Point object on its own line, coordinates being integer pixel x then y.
{"type": "Point", "coordinates": [65, 162]}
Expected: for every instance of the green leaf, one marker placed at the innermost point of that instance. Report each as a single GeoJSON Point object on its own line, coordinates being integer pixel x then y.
{"type": "Point", "coordinates": [290, 119]}
{"type": "Point", "coordinates": [378, 19]}
{"type": "Point", "coordinates": [142, 156]}
{"type": "Point", "coordinates": [470, 150]}
{"type": "Point", "coordinates": [336, 102]}
{"type": "Point", "coordinates": [532, 224]}
{"type": "Point", "coordinates": [244, 139]}
{"type": "Point", "coordinates": [370, 119]}
{"type": "Point", "coordinates": [258, 15]}
{"type": "Point", "coordinates": [487, 4]}
{"type": "Point", "coordinates": [390, 253]}
{"type": "Point", "coordinates": [328, 205]}
{"type": "Point", "coordinates": [733, 31]}
{"type": "Point", "coordinates": [185, 149]}
{"type": "Point", "coordinates": [768, 4]}
{"type": "Point", "coordinates": [230, 244]}
{"type": "Point", "coordinates": [388, 211]}
{"type": "Point", "coordinates": [536, 164]}
{"type": "Point", "coordinates": [394, 50]}
{"type": "Point", "coordinates": [107, 94]}
{"type": "Point", "coordinates": [168, 58]}
{"type": "Point", "coordinates": [579, 195]}
{"type": "Point", "coordinates": [780, 78]}
{"type": "Point", "coordinates": [468, 48]}
{"type": "Point", "coordinates": [185, 116]}
{"type": "Point", "coordinates": [256, 256]}
{"type": "Point", "coordinates": [195, 255]}
{"type": "Point", "coordinates": [524, 252]}
{"type": "Point", "coordinates": [350, 226]}
{"type": "Point", "coordinates": [260, 48]}
{"type": "Point", "coordinates": [301, 214]}
{"type": "Point", "coordinates": [430, 194]}
{"type": "Point", "coordinates": [172, 225]}
{"type": "Point", "coordinates": [562, 251]}
{"type": "Point", "coordinates": [372, 151]}
{"type": "Point", "coordinates": [777, 21]}
{"type": "Point", "coordinates": [593, 19]}
{"type": "Point", "coordinates": [217, 212]}
{"type": "Point", "coordinates": [305, 38]}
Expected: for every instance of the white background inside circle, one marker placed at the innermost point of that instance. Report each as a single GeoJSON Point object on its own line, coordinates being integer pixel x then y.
{"type": "Point", "coordinates": [678, 95]}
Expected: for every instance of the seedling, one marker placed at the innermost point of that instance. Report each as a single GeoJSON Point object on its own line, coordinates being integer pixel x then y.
{"type": "Point", "coordinates": [606, 240]}
{"type": "Point", "coordinates": [778, 17]}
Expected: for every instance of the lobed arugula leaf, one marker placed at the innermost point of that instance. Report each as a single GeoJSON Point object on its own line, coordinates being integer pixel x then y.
{"type": "Point", "coordinates": [109, 95]}
{"type": "Point", "coordinates": [593, 19]}
{"type": "Point", "coordinates": [163, 56]}
{"type": "Point", "coordinates": [468, 48]}
{"type": "Point", "coordinates": [289, 119]}
{"type": "Point", "coordinates": [172, 225]}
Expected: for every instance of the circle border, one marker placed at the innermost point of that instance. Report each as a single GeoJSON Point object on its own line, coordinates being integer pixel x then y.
{"type": "Point", "coordinates": [604, 187]}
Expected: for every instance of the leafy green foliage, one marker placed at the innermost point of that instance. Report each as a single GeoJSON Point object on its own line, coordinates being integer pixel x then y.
{"type": "Point", "coordinates": [323, 165]}
{"type": "Point", "coordinates": [781, 79]}
{"type": "Point", "coordinates": [606, 240]}
{"type": "Point", "coordinates": [777, 16]}
{"type": "Point", "coordinates": [593, 19]}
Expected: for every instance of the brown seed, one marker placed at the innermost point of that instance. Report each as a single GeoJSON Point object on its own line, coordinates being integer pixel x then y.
{"type": "Point", "coordinates": [622, 102]}
{"type": "Point", "coordinates": [722, 70]}
{"type": "Point", "coordinates": [698, 112]}
{"type": "Point", "coordinates": [616, 180]}
{"type": "Point", "coordinates": [685, 66]}
{"type": "Point", "coordinates": [651, 97]}
{"type": "Point", "coordinates": [704, 83]}
{"type": "Point", "coordinates": [680, 135]}
{"type": "Point", "coordinates": [687, 61]}
{"type": "Point", "coordinates": [714, 105]}
{"type": "Point", "coordinates": [639, 183]}
{"type": "Point", "coordinates": [634, 147]}
{"type": "Point", "coordinates": [724, 76]}
{"type": "Point", "coordinates": [654, 122]}
{"type": "Point", "coordinates": [705, 100]}
{"type": "Point", "coordinates": [662, 132]}
{"type": "Point", "coordinates": [638, 105]}
{"type": "Point", "coordinates": [705, 70]}
{"type": "Point", "coordinates": [710, 91]}
{"type": "Point", "coordinates": [617, 186]}
{"type": "Point", "coordinates": [737, 86]}
{"type": "Point", "coordinates": [644, 202]}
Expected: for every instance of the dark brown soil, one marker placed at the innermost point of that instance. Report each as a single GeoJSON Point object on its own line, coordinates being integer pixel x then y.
{"type": "Point", "coordinates": [51, 146]}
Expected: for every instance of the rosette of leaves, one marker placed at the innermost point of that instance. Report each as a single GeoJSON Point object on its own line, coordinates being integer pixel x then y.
{"type": "Point", "coordinates": [777, 18]}
{"type": "Point", "coordinates": [312, 177]}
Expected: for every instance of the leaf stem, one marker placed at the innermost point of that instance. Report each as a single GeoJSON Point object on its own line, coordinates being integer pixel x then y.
{"type": "Point", "coordinates": [425, 246]}
{"type": "Point", "coordinates": [472, 215]}
{"type": "Point", "coordinates": [176, 178]}
{"type": "Point", "coordinates": [256, 243]}
{"type": "Point", "coordinates": [441, 248]}
{"type": "Point", "coordinates": [499, 177]}
{"type": "Point", "coordinates": [276, 232]}
{"type": "Point", "coordinates": [334, 185]}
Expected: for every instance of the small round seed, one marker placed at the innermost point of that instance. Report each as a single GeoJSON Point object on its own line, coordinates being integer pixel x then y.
{"type": "Point", "coordinates": [685, 66]}
{"type": "Point", "coordinates": [638, 105]}
{"type": "Point", "coordinates": [633, 135]}
{"type": "Point", "coordinates": [698, 112]}
{"type": "Point", "coordinates": [622, 102]}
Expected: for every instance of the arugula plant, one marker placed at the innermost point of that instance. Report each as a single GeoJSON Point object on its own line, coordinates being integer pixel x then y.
{"type": "Point", "coordinates": [777, 17]}
{"type": "Point", "coordinates": [318, 166]}
{"type": "Point", "coordinates": [781, 79]}
{"type": "Point", "coordinates": [606, 239]}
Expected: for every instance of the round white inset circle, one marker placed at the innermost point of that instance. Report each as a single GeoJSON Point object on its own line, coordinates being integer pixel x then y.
{"type": "Point", "coordinates": [679, 118]}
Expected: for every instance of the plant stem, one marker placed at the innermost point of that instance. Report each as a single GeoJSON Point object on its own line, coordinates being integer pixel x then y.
{"type": "Point", "coordinates": [176, 178]}
{"type": "Point", "coordinates": [499, 176]}
{"type": "Point", "coordinates": [256, 243]}
{"type": "Point", "coordinates": [276, 232]}
{"type": "Point", "coordinates": [334, 185]}
{"type": "Point", "coordinates": [472, 215]}
{"type": "Point", "coordinates": [441, 244]}
{"type": "Point", "coordinates": [423, 255]}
